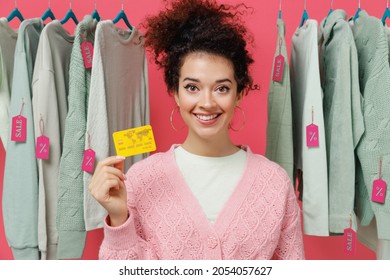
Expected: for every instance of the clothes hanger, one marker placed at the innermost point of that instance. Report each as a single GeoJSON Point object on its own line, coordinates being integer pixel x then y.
{"type": "Point", "coordinates": [48, 13]}
{"type": "Point", "coordinates": [305, 16]}
{"type": "Point", "coordinates": [331, 8]}
{"type": "Point", "coordinates": [280, 9]}
{"type": "Point", "coordinates": [386, 14]}
{"type": "Point", "coordinates": [122, 16]}
{"type": "Point", "coordinates": [357, 12]}
{"type": "Point", "coordinates": [95, 13]}
{"type": "Point", "coordinates": [15, 14]}
{"type": "Point", "coordinates": [330, 11]}
{"type": "Point", "coordinates": [70, 15]}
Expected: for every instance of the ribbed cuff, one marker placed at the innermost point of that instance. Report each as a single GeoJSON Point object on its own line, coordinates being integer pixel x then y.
{"type": "Point", "coordinates": [121, 237]}
{"type": "Point", "coordinates": [71, 244]}
{"type": "Point", "coordinates": [25, 253]}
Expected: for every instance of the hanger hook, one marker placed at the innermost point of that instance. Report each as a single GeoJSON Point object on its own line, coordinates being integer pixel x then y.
{"type": "Point", "coordinates": [387, 4]}
{"type": "Point", "coordinates": [304, 5]}
{"type": "Point", "coordinates": [122, 6]}
{"type": "Point", "coordinates": [331, 4]}
{"type": "Point", "coordinates": [49, 4]}
{"type": "Point", "coordinates": [359, 4]}
{"type": "Point", "coordinates": [16, 4]}
{"type": "Point", "coordinates": [70, 4]}
{"type": "Point", "coordinates": [94, 4]}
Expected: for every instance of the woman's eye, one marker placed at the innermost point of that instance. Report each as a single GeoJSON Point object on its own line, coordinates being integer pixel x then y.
{"type": "Point", "coordinates": [191, 88]}
{"type": "Point", "coordinates": [223, 89]}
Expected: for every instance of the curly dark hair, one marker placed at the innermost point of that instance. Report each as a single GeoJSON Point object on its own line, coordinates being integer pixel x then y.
{"type": "Point", "coordinates": [188, 26]}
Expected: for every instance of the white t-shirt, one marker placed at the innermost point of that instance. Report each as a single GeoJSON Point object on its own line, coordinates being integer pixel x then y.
{"type": "Point", "coordinates": [211, 179]}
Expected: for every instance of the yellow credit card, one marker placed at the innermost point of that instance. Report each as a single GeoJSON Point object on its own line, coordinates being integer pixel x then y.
{"type": "Point", "coordinates": [134, 141]}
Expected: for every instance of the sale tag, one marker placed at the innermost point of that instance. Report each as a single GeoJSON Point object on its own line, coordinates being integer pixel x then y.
{"type": "Point", "coordinates": [379, 191]}
{"type": "Point", "coordinates": [42, 147]}
{"type": "Point", "coordinates": [349, 242]}
{"type": "Point", "coordinates": [87, 53]}
{"type": "Point", "coordinates": [19, 128]}
{"type": "Point", "coordinates": [312, 137]}
{"type": "Point", "coordinates": [88, 161]}
{"type": "Point", "coordinates": [134, 141]}
{"type": "Point", "coordinates": [278, 68]}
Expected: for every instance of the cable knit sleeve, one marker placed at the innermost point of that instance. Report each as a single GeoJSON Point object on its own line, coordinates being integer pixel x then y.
{"type": "Point", "coordinates": [290, 245]}
{"type": "Point", "coordinates": [126, 242]}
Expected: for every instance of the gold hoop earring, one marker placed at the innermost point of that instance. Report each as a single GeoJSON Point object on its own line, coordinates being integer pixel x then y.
{"type": "Point", "coordinates": [171, 118]}
{"type": "Point", "coordinates": [243, 120]}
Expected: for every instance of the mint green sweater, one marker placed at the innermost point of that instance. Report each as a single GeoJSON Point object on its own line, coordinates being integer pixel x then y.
{"type": "Point", "coordinates": [7, 53]}
{"type": "Point", "coordinates": [20, 189]}
{"type": "Point", "coordinates": [374, 75]}
{"type": "Point", "coordinates": [343, 116]}
{"type": "Point", "coordinates": [50, 90]}
{"type": "Point", "coordinates": [70, 210]}
{"type": "Point", "coordinates": [279, 127]}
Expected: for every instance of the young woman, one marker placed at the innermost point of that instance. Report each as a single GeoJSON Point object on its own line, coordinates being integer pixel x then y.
{"type": "Point", "coordinates": [206, 198]}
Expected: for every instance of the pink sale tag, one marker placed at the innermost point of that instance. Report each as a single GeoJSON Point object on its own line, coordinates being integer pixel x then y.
{"type": "Point", "coordinates": [88, 161]}
{"type": "Point", "coordinates": [379, 191]}
{"type": "Point", "coordinates": [349, 242]}
{"type": "Point", "coordinates": [87, 52]}
{"type": "Point", "coordinates": [19, 128]}
{"type": "Point", "coordinates": [42, 148]}
{"type": "Point", "coordinates": [312, 137]}
{"type": "Point", "coordinates": [278, 68]}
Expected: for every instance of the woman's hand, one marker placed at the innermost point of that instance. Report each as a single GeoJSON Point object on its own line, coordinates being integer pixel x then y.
{"type": "Point", "coordinates": [108, 188]}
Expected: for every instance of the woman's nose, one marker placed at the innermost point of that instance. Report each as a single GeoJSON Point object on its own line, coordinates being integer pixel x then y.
{"type": "Point", "coordinates": [206, 99]}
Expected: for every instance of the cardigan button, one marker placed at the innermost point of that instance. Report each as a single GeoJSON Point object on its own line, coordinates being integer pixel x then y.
{"type": "Point", "coordinates": [212, 242]}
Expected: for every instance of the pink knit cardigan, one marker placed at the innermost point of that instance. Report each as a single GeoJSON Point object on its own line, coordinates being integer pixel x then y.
{"type": "Point", "coordinates": [260, 220]}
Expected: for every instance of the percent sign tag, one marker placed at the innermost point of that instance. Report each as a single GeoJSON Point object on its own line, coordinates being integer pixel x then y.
{"type": "Point", "coordinates": [379, 191]}
{"type": "Point", "coordinates": [312, 135]}
{"type": "Point", "coordinates": [88, 161]}
{"type": "Point", "coordinates": [42, 147]}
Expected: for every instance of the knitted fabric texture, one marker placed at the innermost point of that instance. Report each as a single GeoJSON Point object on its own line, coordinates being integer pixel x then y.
{"type": "Point", "coordinates": [373, 148]}
{"type": "Point", "coordinates": [261, 219]}
{"type": "Point", "coordinates": [279, 127]}
{"type": "Point", "coordinates": [70, 211]}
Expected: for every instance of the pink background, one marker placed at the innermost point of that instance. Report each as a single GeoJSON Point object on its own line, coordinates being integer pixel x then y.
{"type": "Point", "coordinates": [262, 23]}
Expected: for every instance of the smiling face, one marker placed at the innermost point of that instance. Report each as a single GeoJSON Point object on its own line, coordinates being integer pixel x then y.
{"type": "Point", "coordinates": [207, 96]}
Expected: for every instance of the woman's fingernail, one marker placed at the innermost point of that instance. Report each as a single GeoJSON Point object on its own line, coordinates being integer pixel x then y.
{"type": "Point", "coordinates": [124, 177]}
{"type": "Point", "coordinates": [120, 157]}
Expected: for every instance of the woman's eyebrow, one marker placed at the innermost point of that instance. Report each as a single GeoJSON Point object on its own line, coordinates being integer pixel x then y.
{"type": "Point", "coordinates": [217, 81]}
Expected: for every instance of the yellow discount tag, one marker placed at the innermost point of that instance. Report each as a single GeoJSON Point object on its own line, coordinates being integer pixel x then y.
{"type": "Point", "coordinates": [134, 141]}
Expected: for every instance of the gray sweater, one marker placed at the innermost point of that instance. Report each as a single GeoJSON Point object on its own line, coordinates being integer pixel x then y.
{"type": "Point", "coordinates": [119, 100]}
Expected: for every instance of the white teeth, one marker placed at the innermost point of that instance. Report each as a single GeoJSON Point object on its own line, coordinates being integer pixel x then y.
{"type": "Point", "coordinates": [206, 118]}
